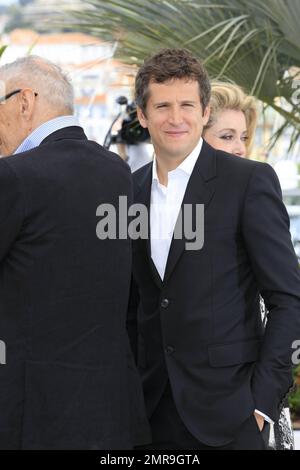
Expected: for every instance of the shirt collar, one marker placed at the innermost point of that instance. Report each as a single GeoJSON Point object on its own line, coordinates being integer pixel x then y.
{"type": "Point", "coordinates": [186, 166]}
{"type": "Point", "coordinates": [40, 133]}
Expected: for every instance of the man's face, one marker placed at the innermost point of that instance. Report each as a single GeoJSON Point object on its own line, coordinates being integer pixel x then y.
{"type": "Point", "coordinates": [174, 117]}
{"type": "Point", "coordinates": [11, 134]}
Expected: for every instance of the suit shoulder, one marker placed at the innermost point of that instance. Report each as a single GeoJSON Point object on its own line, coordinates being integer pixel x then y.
{"type": "Point", "coordinates": [264, 178]}
{"type": "Point", "coordinates": [112, 159]}
{"type": "Point", "coordinates": [234, 161]}
{"type": "Point", "coordinates": [242, 166]}
{"type": "Point", "coordinates": [108, 161]}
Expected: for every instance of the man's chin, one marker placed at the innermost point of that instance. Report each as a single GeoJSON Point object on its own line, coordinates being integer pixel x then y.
{"type": "Point", "coordinates": [180, 152]}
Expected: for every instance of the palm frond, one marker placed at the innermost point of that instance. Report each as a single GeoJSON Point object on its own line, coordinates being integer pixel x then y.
{"type": "Point", "coordinates": [255, 44]}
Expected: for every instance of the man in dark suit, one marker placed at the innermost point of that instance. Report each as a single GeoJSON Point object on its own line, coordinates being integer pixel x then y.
{"type": "Point", "coordinates": [69, 381]}
{"type": "Point", "coordinates": [212, 378]}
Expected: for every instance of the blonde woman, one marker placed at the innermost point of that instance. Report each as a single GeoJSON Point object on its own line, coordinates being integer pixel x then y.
{"type": "Point", "coordinates": [233, 119]}
{"type": "Point", "coordinates": [231, 128]}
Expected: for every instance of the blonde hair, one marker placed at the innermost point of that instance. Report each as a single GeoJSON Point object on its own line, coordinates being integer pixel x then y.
{"type": "Point", "coordinates": [226, 95]}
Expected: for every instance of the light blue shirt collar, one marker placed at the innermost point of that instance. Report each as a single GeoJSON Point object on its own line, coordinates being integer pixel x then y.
{"type": "Point", "coordinates": [40, 133]}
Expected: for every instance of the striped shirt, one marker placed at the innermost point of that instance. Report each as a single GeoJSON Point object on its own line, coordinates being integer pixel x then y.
{"type": "Point", "coordinates": [40, 133]}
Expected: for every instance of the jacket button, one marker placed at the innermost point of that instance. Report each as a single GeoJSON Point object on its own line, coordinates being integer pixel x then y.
{"type": "Point", "coordinates": [169, 350]}
{"type": "Point", "coordinates": [164, 303]}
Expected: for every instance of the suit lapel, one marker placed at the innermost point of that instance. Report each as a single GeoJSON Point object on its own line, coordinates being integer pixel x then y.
{"type": "Point", "coordinates": [200, 190]}
{"type": "Point", "coordinates": [143, 196]}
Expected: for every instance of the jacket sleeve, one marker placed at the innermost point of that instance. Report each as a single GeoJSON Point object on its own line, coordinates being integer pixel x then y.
{"type": "Point", "coordinates": [265, 226]}
{"type": "Point", "coordinates": [11, 208]}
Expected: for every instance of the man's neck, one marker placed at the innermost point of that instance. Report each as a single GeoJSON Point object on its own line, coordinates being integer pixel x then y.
{"type": "Point", "coordinates": [41, 131]}
{"type": "Point", "coordinates": [165, 165]}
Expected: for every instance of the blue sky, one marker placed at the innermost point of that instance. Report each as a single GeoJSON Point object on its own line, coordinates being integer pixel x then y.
{"type": "Point", "coordinates": [7, 2]}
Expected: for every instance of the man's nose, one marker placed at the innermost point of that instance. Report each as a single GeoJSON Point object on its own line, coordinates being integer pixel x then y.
{"type": "Point", "coordinates": [175, 116]}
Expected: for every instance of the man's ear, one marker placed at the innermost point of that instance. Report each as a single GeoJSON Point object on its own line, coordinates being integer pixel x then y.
{"type": "Point", "coordinates": [142, 118]}
{"type": "Point", "coordinates": [27, 103]}
{"type": "Point", "coordinates": [206, 115]}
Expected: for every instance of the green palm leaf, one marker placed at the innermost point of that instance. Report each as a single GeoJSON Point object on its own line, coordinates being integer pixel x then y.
{"type": "Point", "coordinates": [255, 44]}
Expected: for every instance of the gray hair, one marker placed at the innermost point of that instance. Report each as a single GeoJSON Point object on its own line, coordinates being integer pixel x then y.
{"type": "Point", "coordinates": [44, 77]}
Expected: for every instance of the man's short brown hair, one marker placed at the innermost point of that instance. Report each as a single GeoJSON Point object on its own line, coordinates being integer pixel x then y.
{"type": "Point", "coordinates": [169, 64]}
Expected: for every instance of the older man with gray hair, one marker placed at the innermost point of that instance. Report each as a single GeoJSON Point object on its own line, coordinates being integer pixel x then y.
{"type": "Point", "coordinates": [69, 381]}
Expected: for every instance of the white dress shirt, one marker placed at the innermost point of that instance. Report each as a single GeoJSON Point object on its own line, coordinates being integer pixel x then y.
{"type": "Point", "coordinates": [165, 206]}
{"type": "Point", "coordinates": [164, 209]}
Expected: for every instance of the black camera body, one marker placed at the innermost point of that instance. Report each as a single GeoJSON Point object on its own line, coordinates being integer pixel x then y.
{"type": "Point", "coordinates": [131, 132]}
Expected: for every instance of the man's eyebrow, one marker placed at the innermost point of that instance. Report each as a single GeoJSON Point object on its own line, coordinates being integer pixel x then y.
{"type": "Point", "coordinates": [160, 102]}
{"type": "Point", "coordinates": [189, 101]}
{"type": "Point", "coordinates": [181, 102]}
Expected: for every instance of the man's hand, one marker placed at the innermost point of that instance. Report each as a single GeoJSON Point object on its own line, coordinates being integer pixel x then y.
{"type": "Point", "coordinates": [260, 421]}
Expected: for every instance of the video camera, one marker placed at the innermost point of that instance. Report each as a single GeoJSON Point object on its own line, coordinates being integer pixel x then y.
{"type": "Point", "coordinates": [131, 132]}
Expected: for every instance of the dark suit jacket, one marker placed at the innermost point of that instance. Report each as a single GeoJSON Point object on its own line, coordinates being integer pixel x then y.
{"type": "Point", "coordinates": [70, 380]}
{"type": "Point", "coordinates": [201, 327]}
